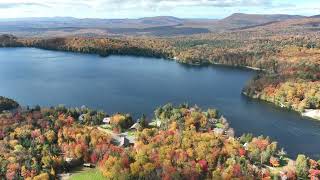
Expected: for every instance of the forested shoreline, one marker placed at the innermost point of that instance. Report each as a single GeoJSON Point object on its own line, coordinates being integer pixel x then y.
{"type": "Point", "coordinates": [289, 63]}
{"type": "Point", "coordinates": [7, 104]}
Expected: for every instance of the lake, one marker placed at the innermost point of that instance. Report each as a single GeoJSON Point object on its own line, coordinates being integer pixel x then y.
{"type": "Point", "coordinates": [139, 85]}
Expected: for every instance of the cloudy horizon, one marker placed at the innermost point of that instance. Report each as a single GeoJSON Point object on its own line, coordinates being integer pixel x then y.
{"type": "Point", "coordinates": [109, 9]}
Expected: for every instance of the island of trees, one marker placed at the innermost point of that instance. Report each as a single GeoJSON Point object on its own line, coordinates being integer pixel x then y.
{"type": "Point", "coordinates": [7, 104]}
{"type": "Point", "coordinates": [181, 142]}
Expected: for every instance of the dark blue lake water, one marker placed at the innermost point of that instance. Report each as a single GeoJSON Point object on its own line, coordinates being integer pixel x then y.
{"type": "Point", "coordinates": [138, 85]}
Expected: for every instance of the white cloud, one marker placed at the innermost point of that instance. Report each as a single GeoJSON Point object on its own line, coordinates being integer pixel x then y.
{"type": "Point", "coordinates": [134, 3]}
{"type": "Point", "coordinates": [14, 5]}
{"type": "Point", "coordinates": [139, 8]}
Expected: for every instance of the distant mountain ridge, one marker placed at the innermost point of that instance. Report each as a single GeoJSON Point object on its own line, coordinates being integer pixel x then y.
{"type": "Point", "coordinates": [253, 19]}
{"type": "Point", "coordinates": [58, 18]}
{"type": "Point", "coordinates": [158, 20]}
{"type": "Point", "coordinates": [316, 16]}
{"type": "Point", "coordinates": [161, 19]}
{"type": "Point", "coordinates": [156, 26]}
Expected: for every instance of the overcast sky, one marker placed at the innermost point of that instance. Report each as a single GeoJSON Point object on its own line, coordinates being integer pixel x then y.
{"type": "Point", "coordinates": [147, 8]}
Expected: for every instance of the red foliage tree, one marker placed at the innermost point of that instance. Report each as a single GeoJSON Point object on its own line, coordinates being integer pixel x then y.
{"type": "Point", "coordinates": [242, 152]}
{"type": "Point", "coordinates": [203, 164]}
{"type": "Point", "coordinates": [94, 158]}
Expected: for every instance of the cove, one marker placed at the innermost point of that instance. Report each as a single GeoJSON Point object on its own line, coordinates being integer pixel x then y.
{"type": "Point", "coordinates": [138, 85]}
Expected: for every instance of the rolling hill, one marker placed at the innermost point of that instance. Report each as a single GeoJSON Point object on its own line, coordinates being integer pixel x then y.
{"type": "Point", "coordinates": [149, 26]}
{"type": "Point", "coordinates": [240, 19]}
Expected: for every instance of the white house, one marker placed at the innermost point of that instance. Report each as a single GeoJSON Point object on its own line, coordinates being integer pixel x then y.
{"type": "Point", "coordinates": [156, 123]}
{"type": "Point", "coordinates": [68, 159]}
{"type": "Point", "coordinates": [81, 117]}
{"type": "Point", "coordinates": [218, 131]}
{"type": "Point", "coordinates": [135, 126]}
{"type": "Point", "coordinates": [106, 120]}
{"type": "Point", "coordinates": [245, 146]}
{"type": "Point", "coordinates": [124, 142]}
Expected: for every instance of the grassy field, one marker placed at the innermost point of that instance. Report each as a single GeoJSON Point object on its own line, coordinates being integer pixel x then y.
{"type": "Point", "coordinates": [93, 174]}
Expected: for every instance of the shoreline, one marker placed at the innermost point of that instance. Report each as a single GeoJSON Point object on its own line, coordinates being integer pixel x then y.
{"type": "Point", "coordinates": [312, 113]}
{"type": "Point", "coordinates": [238, 66]}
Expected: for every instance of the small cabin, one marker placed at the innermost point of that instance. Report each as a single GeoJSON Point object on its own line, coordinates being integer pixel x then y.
{"type": "Point", "coordinates": [192, 109]}
{"type": "Point", "coordinates": [135, 126]}
{"type": "Point", "coordinates": [89, 165]}
{"type": "Point", "coordinates": [212, 121]}
{"type": "Point", "coordinates": [218, 131]}
{"type": "Point", "coordinates": [282, 105]}
{"type": "Point", "coordinates": [246, 146]}
{"type": "Point", "coordinates": [73, 162]}
{"type": "Point", "coordinates": [156, 123]}
{"type": "Point", "coordinates": [81, 117]}
{"type": "Point", "coordinates": [124, 142]}
{"type": "Point", "coordinates": [106, 120]}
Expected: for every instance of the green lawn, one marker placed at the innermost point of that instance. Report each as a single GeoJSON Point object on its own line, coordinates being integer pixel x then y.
{"type": "Point", "coordinates": [92, 174]}
{"type": "Point", "coordinates": [106, 126]}
{"type": "Point", "coordinates": [132, 133]}
{"type": "Point", "coordinates": [219, 125]}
